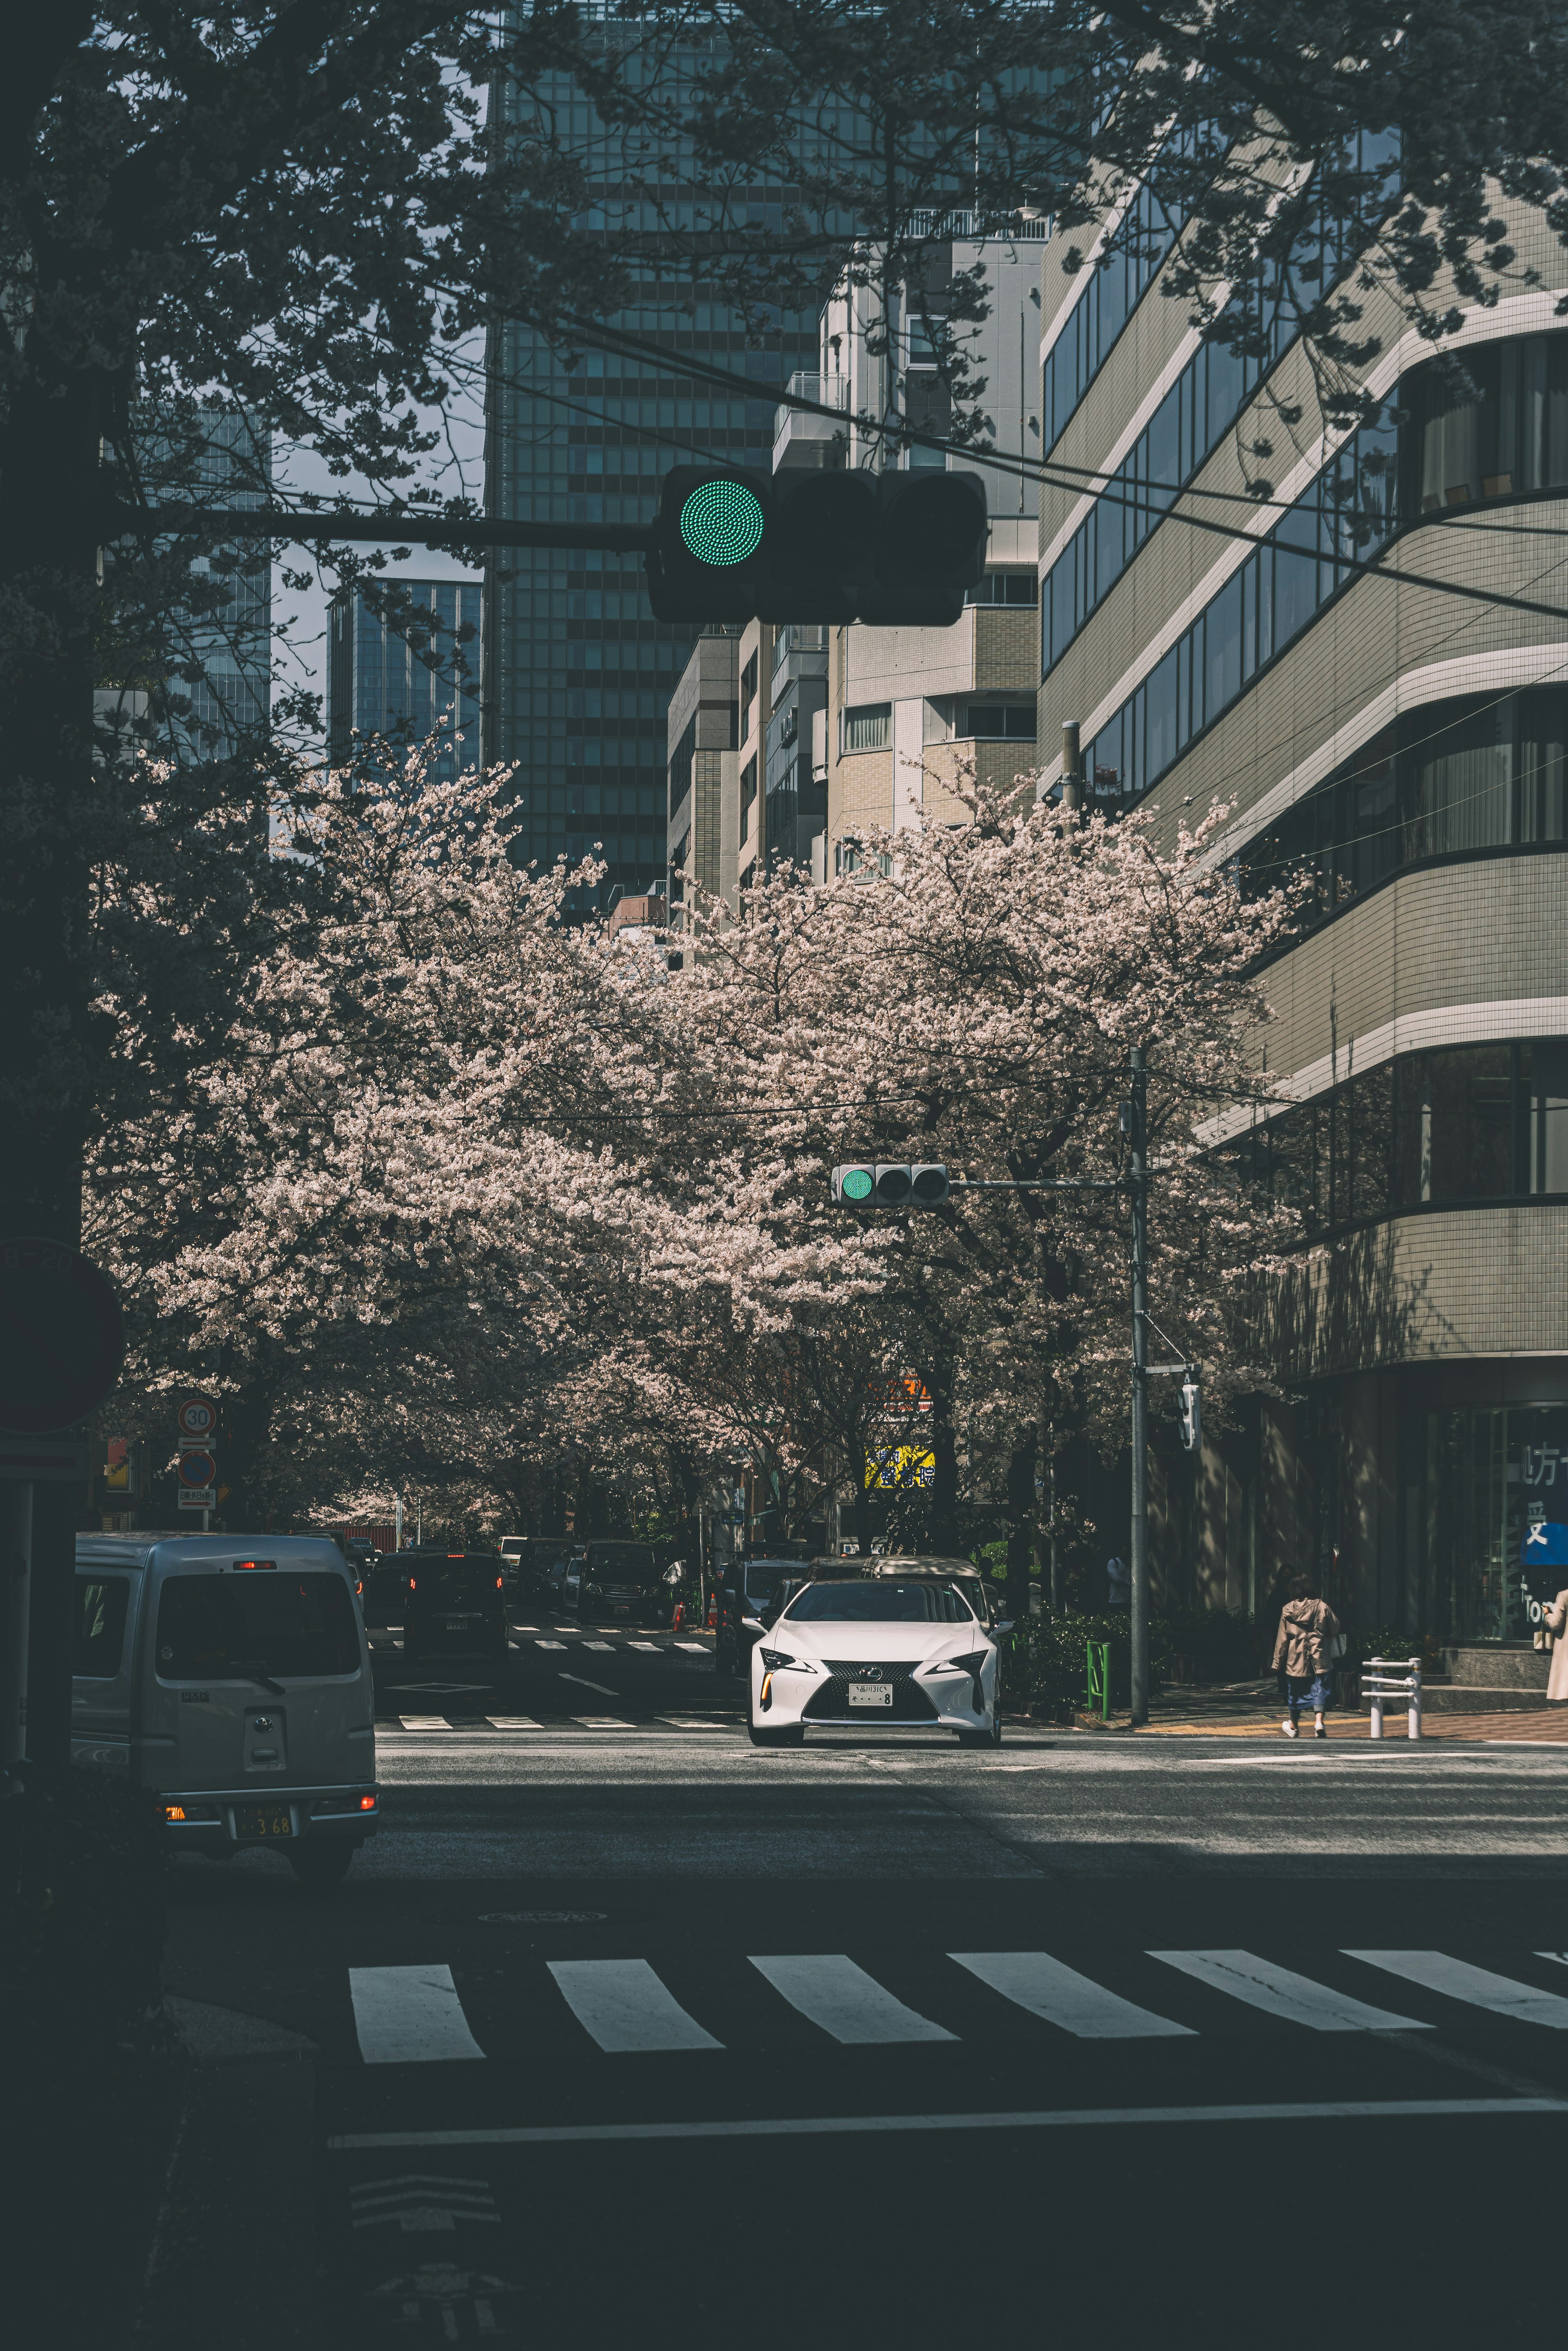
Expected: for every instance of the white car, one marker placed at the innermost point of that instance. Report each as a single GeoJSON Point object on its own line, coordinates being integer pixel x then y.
{"type": "Point", "coordinates": [868, 1654]}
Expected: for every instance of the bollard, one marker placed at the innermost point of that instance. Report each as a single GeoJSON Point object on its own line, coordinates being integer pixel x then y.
{"type": "Point", "coordinates": [1376, 1696]}
{"type": "Point", "coordinates": [1380, 1679]}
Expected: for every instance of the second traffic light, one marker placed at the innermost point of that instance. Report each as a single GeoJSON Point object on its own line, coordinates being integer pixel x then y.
{"type": "Point", "coordinates": [731, 544]}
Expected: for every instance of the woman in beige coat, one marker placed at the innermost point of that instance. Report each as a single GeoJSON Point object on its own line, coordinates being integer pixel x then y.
{"type": "Point", "coordinates": [1554, 1616]}
{"type": "Point", "coordinates": [1307, 1626]}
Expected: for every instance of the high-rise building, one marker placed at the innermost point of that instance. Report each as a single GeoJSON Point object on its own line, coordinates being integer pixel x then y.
{"type": "Point", "coordinates": [1404, 743]}
{"type": "Point", "coordinates": [578, 675]}
{"type": "Point", "coordinates": [409, 671]}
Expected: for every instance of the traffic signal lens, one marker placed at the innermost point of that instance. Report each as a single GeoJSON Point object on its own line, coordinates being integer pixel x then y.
{"type": "Point", "coordinates": [931, 1186]}
{"type": "Point", "coordinates": [893, 1187]}
{"type": "Point", "coordinates": [722, 523]}
{"type": "Point", "coordinates": [857, 1184]}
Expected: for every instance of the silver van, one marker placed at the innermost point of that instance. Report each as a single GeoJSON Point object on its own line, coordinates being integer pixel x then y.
{"type": "Point", "coordinates": [231, 1673]}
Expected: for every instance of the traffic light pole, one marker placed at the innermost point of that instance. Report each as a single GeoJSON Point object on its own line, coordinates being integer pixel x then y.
{"type": "Point", "coordinates": [1139, 1186]}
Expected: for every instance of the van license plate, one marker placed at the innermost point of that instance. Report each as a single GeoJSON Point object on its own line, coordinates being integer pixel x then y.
{"type": "Point", "coordinates": [459, 1624]}
{"type": "Point", "coordinates": [869, 1694]}
{"type": "Point", "coordinates": [264, 1820]}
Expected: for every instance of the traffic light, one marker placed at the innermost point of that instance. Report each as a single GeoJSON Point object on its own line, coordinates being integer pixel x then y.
{"type": "Point", "coordinates": [1191, 1409]}
{"type": "Point", "coordinates": [887, 549]}
{"type": "Point", "coordinates": [891, 1184]}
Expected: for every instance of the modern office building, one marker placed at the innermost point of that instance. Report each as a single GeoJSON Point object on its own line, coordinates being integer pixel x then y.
{"type": "Point", "coordinates": [899, 711]}
{"type": "Point", "coordinates": [579, 674]}
{"type": "Point", "coordinates": [408, 669]}
{"type": "Point", "coordinates": [1408, 746]}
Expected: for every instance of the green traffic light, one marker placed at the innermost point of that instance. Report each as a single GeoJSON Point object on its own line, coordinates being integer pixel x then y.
{"type": "Point", "coordinates": [857, 1184]}
{"type": "Point", "coordinates": [722, 522]}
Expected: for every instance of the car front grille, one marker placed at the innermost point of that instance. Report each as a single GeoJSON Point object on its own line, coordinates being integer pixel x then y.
{"type": "Point", "coordinates": [829, 1701]}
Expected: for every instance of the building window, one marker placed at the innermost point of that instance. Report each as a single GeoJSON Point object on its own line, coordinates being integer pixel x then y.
{"type": "Point", "coordinates": [1428, 1131]}
{"type": "Point", "coordinates": [1502, 434]}
{"type": "Point", "coordinates": [681, 759]}
{"type": "Point", "coordinates": [868, 727]}
{"type": "Point", "coordinates": [748, 695]}
{"type": "Point", "coordinates": [1010, 721]}
{"type": "Point", "coordinates": [749, 879]}
{"type": "Point", "coordinates": [748, 796]}
{"type": "Point", "coordinates": [1016, 588]}
{"type": "Point", "coordinates": [1483, 1494]}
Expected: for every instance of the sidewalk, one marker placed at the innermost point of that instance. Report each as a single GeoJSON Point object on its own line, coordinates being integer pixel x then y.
{"type": "Point", "coordinates": [1243, 1712]}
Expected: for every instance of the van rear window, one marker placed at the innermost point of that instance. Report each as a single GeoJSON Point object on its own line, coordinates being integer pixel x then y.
{"type": "Point", "coordinates": [217, 1628]}
{"type": "Point", "coordinates": [97, 1632]}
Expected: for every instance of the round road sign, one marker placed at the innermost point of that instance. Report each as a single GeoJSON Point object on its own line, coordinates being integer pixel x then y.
{"type": "Point", "coordinates": [62, 1337]}
{"type": "Point", "coordinates": [196, 1418]}
{"type": "Point", "coordinates": [197, 1469]}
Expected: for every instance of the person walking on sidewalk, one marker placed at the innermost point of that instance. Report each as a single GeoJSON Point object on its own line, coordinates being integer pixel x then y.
{"type": "Point", "coordinates": [1554, 1620]}
{"type": "Point", "coordinates": [1307, 1627]}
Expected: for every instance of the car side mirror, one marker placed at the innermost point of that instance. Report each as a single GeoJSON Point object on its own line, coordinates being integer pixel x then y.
{"type": "Point", "coordinates": [1003, 1624]}
{"type": "Point", "coordinates": [674, 1574]}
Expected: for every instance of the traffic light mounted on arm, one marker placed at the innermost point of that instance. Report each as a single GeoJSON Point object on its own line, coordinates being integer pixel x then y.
{"type": "Point", "coordinates": [891, 1184]}
{"type": "Point", "coordinates": [891, 548]}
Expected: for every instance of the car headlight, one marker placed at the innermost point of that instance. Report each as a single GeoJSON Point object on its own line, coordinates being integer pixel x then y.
{"type": "Point", "coordinates": [774, 1660]}
{"type": "Point", "coordinates": [971, 1663]}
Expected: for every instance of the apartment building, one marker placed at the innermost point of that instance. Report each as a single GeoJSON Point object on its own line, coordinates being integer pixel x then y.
{"type": "Point", "coordinates": [1405, 741]}
{"type": "Point", "coordinates": [905, 710]}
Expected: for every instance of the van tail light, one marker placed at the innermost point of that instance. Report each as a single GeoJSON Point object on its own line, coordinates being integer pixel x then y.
{"type": "Point", "coordinates": [367, 1803]}
{"type": "Point", "coordinates": [173, 1811]}
{"type": "Point", "coordinates": [412, 1584]}
{"type": "Point", "coordinates": [498, 1586]}
{"type": "Point", "coordinates": [240, 1564]}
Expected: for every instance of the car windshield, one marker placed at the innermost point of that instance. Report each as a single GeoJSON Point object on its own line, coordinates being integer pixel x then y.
{"type": "Point", "coordinates": [880, 1604]}
{"type": "Point", "coordinates": [765, 1579]}
{"type": "Point", "coordinates": [456, 1582]}
{"type": "Point", "coordinates": [217, 1628]}
{"type": "Point", "coordinates": [622, 1562]}
{"type": "Point", "coordinates": [545, 1554]}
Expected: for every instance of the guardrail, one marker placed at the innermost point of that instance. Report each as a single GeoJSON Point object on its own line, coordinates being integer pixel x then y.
{"type": "Point", "coordinates": [1382, 1679]}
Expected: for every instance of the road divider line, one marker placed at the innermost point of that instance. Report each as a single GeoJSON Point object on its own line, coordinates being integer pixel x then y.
{"type": "Point", "coordinates": [603, 1722]}
{"type": "Point", "coordinates": [1478, 1985]}
{"type": "Point", "coordinates": [1046, 1988]}
{"type": "Point", "coordinates": [1279, 1992]}
{"type": "Point", "coordinates": [582, 1683]}
{"type": "Point", "coordinates": [832, 1992]}
{"type": "Point", "coordinates": [625, 2006]}
{"type": "Point", "coordinates": [409, 2016]}
{"type": "Point", "coordinates": [849, 2125]}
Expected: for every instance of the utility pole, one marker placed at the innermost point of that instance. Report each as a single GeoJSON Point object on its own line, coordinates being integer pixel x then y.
{"type": "Point", "coordinates": [1139, 1186]}
{"type": "Point", "coordinates": [1071, 770]}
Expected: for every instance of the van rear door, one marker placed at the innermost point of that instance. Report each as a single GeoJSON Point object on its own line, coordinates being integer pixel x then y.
{"type": "Point", "coordinates": [265, 1663]}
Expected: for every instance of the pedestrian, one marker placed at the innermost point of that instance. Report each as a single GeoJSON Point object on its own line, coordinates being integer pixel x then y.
{"type": "Point", "coordinates": [1554, 1621]}
{"type": "Point", "coordinates": [1308, 1626]}
{"type": "Point", "coordinates": [1119, 1581]}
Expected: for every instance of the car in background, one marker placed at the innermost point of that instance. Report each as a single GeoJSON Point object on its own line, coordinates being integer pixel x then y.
{"type": "Point", "coordinates": [752, 1591]}
{"type": "Point", "coordinates": [385, 1597]}
{"type": "Point", "coordinates": [544, 1562]}
{"type": "Point", "coordinates": [454, 1606]}
{"type": "Point", "coordinates": [875, 1653]}
{"type": "Point", "coordinates": [513, 1550]}
{"type": "Point", "coordinates": [621, 1580]}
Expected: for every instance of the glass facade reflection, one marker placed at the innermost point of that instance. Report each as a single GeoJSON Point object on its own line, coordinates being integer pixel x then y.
{"type": "Point", "coordinates": [1473, 1487]}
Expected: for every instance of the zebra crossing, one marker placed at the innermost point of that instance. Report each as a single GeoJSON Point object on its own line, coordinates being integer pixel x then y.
{"type": "Point", "coordinates": [411, 2015]}
{"type": "Point", "coordinates": [464, 1725]}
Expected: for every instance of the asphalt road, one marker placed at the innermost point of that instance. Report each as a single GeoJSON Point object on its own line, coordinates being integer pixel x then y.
{"type": "Point", "coordinates": [626, 2025]}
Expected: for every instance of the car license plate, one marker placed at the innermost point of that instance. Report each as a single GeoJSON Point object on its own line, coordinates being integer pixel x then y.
{"type": "Point", "coordinates": [264, 1820]}
{"type": "Point", "coordinates": [458, 1624]}
{"type": "Point", "coordinates": [869, 1694]}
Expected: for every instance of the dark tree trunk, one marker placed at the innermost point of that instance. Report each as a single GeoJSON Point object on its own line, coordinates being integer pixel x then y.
{"type": "Point", "coordinates": [944, 1531]}
{"type": "Point", "coordinates": [1021, 1523]}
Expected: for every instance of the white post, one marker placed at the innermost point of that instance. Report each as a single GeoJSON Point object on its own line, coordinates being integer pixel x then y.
{"type": "Point", "coordinates": [1376, 1664]}
{"type": "Point", "coordinates": [1415, 1697]}
{"type": "Point", "coordinates": [397, 1520]}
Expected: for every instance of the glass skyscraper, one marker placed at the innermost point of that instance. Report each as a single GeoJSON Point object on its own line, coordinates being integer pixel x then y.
{"type": "Point", "coordinates": [413, 674]}
{"type": "Point", "coordinates": [577, 675]}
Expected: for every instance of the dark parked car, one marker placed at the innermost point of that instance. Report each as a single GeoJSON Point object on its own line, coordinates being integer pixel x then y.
{"type": "Point", "coordinates": [623, 1580]}
{"type": "Point", "coordinates": [385, 1595]}
{"type": "Point", "coordinates": [542, 1564]}
{"type": "Point", "coordinates": [455, 1604]}
{"type": "Point", "coordinates": [753, 1591]}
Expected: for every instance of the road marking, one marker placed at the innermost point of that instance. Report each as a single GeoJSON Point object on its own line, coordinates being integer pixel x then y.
{"type": "Point", "coordinates": [844, 2001]}
{"type": "Point", "coordinates": [1063, 2119]}
{"type": "Point", "coordinates": [525, 1628]}
{"type": "Point", "coordinates": [602, 1687]}
{"type": "Point", "coordinates": [513, 1722]}
{"type": "Point", "coordinates": [602, 1722]}
{"type": "Point", "coordinates": [653, 1645]}
{"type": "Point", "coordinates": [622, 2004]}
{"type": "Point", "coordinates": [1279, 1992]}
{"type": "Point", "coordinates": [1561, 1957]}
{"type": "Point", "coordinates": [422, 2204]}
{"type": "Point", "coordinates": [407, 2016]}
{"type": "Point", "coordinates": [549, 1645]}
{"type": "Point", "coordinates": [608, 1646]}
{"type": "Point", "coordinates": [424, 1722]}
{"type": "Point", "coordinates": [1046, 1988]}
{"type": "Point", "coordinates": [693, 1722]}
{"type": "Point", "coordinates": [1478, 1986]}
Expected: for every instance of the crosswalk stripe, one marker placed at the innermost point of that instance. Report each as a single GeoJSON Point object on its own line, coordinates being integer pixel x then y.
{"type": "Point", "coordinates": [1280, 1992]}
{"type": "Point", "coordinates": [512, 1722]}
{"type": "Point", "coordinates": [700, 1647]}
{"type": "Point", "coordinates": [1478, 1986]}
{"type": "Point", "coordinates": [693, 1722]}
{"type": "Point", "coordinates": [603, 1722]}
{"type": "Point", "coordinates": [608, 1646]}
{"type": "Point", "coordinates": [424, 1722]}
{"type": "Point", "coordinates": [549, 1645]}
{"type": "Point", "coordinates": [653, 1645]}
{"type": "Point", "coordinates": [835, 1993]}
{"type": "Point", "coordinates": [624, 2004]}
{"type": "Point", "coordinates": [406, 2016]}
{"type": "Point", "coordinates": [1048, 1988]}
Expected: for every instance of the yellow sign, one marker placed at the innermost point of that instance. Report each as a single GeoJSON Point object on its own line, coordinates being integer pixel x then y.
{"type": "Point", "coordinates": [897, 1468]}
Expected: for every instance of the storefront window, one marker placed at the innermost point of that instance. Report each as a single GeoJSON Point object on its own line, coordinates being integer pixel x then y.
{"type": "Point", "coordinates": [1483, 1518]}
